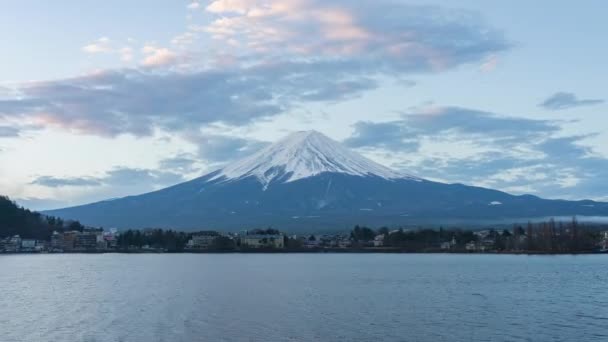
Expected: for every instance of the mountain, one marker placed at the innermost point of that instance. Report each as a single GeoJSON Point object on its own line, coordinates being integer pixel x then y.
{"type": "Point", "coordinates": [308, 182]}
{"type": "Point", "coordinates": [302, 155]}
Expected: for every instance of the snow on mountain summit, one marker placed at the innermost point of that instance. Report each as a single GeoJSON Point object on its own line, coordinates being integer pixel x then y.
{"type": "Point", "coordinates": [304, 154]}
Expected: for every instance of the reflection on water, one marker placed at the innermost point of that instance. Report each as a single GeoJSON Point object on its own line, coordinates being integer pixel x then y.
{"type": "Point", "coordinates": [303, 297]}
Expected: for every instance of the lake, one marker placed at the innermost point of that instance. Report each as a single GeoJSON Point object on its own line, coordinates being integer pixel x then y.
{"type": "Point", "coordinates": [303, 297]}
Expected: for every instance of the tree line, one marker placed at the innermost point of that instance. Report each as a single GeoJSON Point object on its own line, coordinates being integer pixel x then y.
{"type": "Point", "coordinates": [170, 240]}
{"type": "Point", "coordinates": [16, 220]}
{"type": "Point", "coordinates": [545, 237]}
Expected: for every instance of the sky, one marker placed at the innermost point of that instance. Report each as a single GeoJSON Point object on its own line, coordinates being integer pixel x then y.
{"type": "Point", "coordinates": [104, 99]}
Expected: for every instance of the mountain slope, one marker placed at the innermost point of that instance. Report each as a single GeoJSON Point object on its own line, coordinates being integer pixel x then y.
{"type": "Point", "coordinates": [310, 182]}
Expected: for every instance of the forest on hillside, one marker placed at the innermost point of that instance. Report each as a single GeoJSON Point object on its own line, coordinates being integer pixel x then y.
{"type": "Point", "coordinates": [16, 220]}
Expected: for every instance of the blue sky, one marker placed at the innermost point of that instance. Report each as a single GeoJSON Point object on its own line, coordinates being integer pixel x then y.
{"type": "Point", "coordinates": [107, 99]}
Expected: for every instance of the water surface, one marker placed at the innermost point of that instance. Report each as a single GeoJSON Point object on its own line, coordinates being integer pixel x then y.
{"type": "Point", "coordinates": [303, 297]}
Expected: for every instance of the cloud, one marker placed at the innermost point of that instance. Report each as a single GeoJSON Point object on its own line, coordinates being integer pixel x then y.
{"type": "Point", "coordinates": [564, 100]}
{"type": "Point", "coordinates": [126, 54]}
{"type": "Point", "coordinates": [386, 135]}
{"type": "Point", "coordinates": [565, 148]}
{"type": "Point", "coordinates": [445, 120]}
{"type": "Point", "coordinates": [390, 35]}
{"type": "Point", "coordinates": [194, 5]}
{"type": "Point", "coordinates": [183, 163]}
{"type": "Point", "coordinates": [565, 168]}
{"type": "Point", "coordinates": [106, 46]}
{"type": "Point", "coordinates": [339, 91]}
{"type": "Point", "coordinates": [5, 92]}
{"type": "Point", "coordinates": [120, 176]}
{"type": "Point", "coordinates": [55, 182]}
{"type": "Point", "coordinates": [156, 56]}
{"type": "Point", "coordinates": [15, 130]}
{"type": "Point", "coordinates": [219, 149]}
{"type": "Point", "coordinates": [213, 150]}
{"type": "Point", "coordinates": [136, 102]}
{"type": "Point", "coordinates": [117, 182]}
{"type": "Point", "coordinates": [264, 64]}
{"type": "Point", "coordinates": [124, 176]}
{"type": "Point", "coordinates": [461, 145]}
{"type": "Point", "coordinates": [406, 133]}
{"type": "Point", "coordinates": [184, 39]}
{"type": "Point", "coordinates": [9, 132]}
{"type": "Point", "coordinates": [101, 45]}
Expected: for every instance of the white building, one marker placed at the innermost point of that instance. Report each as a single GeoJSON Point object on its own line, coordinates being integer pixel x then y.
{"type": "Point", "coordinates": [471, 246]}
{"type": "Point", "coordinates": [28, 244]}
{"type": "Point", "coordinates": [202, 240]}
{"type": "Point", "coordinates": [14, 244]}
{"type": "Point", "coordinates": [379, 240]}
{"type": "Point", "coordinates": [449, 244]}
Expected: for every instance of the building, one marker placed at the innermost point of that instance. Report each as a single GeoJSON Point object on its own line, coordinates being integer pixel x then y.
{"type": "Point", "coordinates": [449, 244]}
{"type": "Point", "coordinates": [56, 242]}
{"type": "Point", "coordinates": [202, 240]}
{"type": "Point", "coordinates": [379, 240]}
{"type": "Point", "coordinates": [68, 240]}
{"type": "Point", "coordinates": [263, 241]}
{"type": "Point", "coordinates": [28, 245]}
{"type": "Point", "coordinates": [345, 242]}
{"type": "Point", "coordinates": [604, 242]}
{"type": "Point", "coordinates": [41, 246]}
{"type": "Point", "coordinates": [110, 238]}
{"type": "Point", "coordinates": [100, 240]}
{"type": "Point", "coordinates": [85, 241]}
{"type": "Point", "coordinates": [12, 244]}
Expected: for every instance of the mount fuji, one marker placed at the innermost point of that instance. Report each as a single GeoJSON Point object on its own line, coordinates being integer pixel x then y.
{"type": "Point", "coordinates": [307, 182]}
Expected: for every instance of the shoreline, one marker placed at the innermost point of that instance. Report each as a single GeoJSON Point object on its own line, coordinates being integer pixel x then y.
{"type": "Point", "coordinates": [314, 251]}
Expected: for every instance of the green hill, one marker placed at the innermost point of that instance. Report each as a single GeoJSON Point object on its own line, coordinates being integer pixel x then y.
{"type": "Point", "coordinates": [15, 220]}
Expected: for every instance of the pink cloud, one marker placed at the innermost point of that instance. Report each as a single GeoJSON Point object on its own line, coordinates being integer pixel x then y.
{"type": "Point", "coordinates": [158, 56]}
{"type": "Point", "coordinates": [229, 6]}
{"type": "Point", "coordinates": [101, 45]}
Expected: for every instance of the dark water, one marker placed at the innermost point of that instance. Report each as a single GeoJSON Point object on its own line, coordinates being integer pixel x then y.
{"type": "Point", "coordinates": [289, 297]}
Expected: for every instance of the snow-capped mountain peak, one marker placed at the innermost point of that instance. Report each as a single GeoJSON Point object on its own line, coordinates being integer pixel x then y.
{"type": "Point", "coordinates": [304, 154]}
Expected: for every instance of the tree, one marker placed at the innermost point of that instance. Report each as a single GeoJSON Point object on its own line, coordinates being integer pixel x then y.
{"type": "Point", "coordinates": [530, 236]}
{"type": "Point", "coordinates": [383, 231]}
{"type": "Point", "coordinates": [291, 243]}
{"type": "Point", "coordinates": [75, 225]}
{"type": "Point", "coordinates": [362, 234]}
{"type": "Point", "coordinates": [267, 231]}
{"type": "Point", "coordinates": [223, 243]}
{"type": "Point", "coordinates": [518, 232]}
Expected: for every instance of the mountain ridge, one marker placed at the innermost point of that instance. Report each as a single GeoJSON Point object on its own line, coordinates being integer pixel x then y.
{"type": "Point", "coordinates": [307, 181]}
